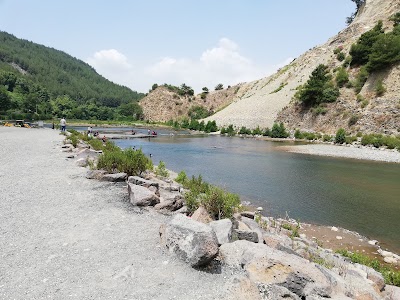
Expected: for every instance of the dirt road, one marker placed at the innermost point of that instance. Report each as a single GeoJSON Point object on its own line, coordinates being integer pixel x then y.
{"type": "Point", "coordinates": [63, 236]}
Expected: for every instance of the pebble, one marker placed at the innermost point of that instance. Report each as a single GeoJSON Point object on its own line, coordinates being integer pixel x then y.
{"type": "Point", "coordinates": [334, 228]}
{"type": "Point", "coordinates": [373, 242]}
{"type": "Point", "coordinates": [338, 237]}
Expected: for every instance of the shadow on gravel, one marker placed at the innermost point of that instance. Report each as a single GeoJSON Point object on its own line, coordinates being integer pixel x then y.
{"type": "Point", "coordinates": [215, 267]}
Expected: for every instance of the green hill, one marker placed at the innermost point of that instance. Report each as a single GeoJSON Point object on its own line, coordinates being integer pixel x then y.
{"type": "Point", "coordinates": [35, 79]}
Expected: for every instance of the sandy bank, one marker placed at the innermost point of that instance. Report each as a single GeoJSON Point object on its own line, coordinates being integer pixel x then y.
{"type": "Point", "coordinates": [363, 153]}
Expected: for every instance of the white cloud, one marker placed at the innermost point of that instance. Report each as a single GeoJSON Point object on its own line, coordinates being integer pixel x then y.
{"type": "Point", "coordinates": [221, 64]}
{"type": "Point", "coordinates": [109, 59]}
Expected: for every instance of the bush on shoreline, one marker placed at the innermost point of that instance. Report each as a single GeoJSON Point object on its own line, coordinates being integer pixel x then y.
{"type": "Point", "coordinates": [219, 203]}
{"type": "Point", "coordinates": [390, 275]}
{"type": "Point", "coordinates": [130, 161]}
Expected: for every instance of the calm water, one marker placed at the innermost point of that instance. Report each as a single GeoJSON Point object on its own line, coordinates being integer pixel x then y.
{"type": "Point", "coordinates": [357, 195]}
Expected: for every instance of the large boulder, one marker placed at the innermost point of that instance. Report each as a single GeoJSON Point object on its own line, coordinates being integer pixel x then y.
{"type": "Point", "coordinates": [268, 266]}
{"type": "Point", "coordinates": [141, 196]}
{"type": "Point", "coordinates": [223, 230]}
{"type": "Point", "coordinates": [192, 241]}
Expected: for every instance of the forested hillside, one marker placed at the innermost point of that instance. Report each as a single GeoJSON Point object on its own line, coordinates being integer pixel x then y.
{"type": "Point", "coordinates": [35, 79]}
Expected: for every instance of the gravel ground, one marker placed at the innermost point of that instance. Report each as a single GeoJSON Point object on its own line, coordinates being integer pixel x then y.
{"type": "Point", "coordinates": [63, 236]}
{"type": "Point", "coordinates": [347, 152]}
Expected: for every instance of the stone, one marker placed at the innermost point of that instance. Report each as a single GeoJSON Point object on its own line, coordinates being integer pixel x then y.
{"type": "Point", "coordinates": [392, 292]}
{"type": "Point", "coordinates": [192, 241]}
{"type": "Point", "coordinates": [117, 177]}
{"type": "Point", "coordinates": [390, 260]}
{"type": "Point", "coordinates": [143, 182]}
{"type": "Point", "coordinates": [141, 196]}
{"type": "Point", "coordinates": [170, 204]}
{"type": "Point", "coordinates": [248, 214]}
{"type": "Point", "coordinates": [247, 235]}
{"type": "Point", "coordinates": [373, 242]}
{"type": "Point", "coordinates": [253, 225]}
{"type": "Point", "coordinates": [273, 292]}
{"type": "Point", "coordinates": [183, 210]}
{"type": "Point", "coordinates": [223, 230]}
{"type": "Point", "coordinates": [82, 162]}
{"type": "Point", "coordinates": [269, 266]}
{"type": "Point", "coordinates": [95, 174]}
{"type": "Point", "coordinates": [201, 215]}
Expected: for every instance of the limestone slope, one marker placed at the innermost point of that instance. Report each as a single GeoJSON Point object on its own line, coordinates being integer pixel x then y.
{"type": "Point", "coordinates": [262, 102]}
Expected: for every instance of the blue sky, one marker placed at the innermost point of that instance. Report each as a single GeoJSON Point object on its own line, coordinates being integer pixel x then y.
{"type": "Point", "coordinates": [200, 43]}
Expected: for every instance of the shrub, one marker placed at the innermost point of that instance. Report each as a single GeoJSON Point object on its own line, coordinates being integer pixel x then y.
{"type": "Point", "coordinates": [326, 138]}
{"type": "Point", "coordinates": [219, 203]}
{"type": "Point", "coordinates": [230, 131]}
{"type": "Point", "coordinates": [319, 110]}
{"type": "Point", "coordinates": [182, 177]}
{"type": "Point", "coordinates": [340, 137]}
{"type": "Point", "coordinates": [133, 162]}
{"type": "Point", "coordinates": [257, 131]}
{"type": "Point", "coordinates": [362, 49]}
{"type": "Point", "coordinates": [244, 130]}
{"type": "Point", "coordinates": [282, 85]}
{"type": "Point", "coordinates": [379, 87]}
{"type": "Point", "coordinates": [350, 139]}
{"type": "Point", "coordinates": [353, 120]}
{"type": "Point", "coordinates": [364, 103]}
{"type": "Point", "coordinates": [318, 89]}
{"type": "Point", "coordinates": [161, 169]}
{"type": "Point", "coordinates": [96, 144]}
{"type": "Point", "coordinates": [391, 276]}
{"type": "Point", "coordinates": [385, 52]}
{"type": "Point", "coordinates": [298, 134]}
{"type": "Point", "coordinates": [219, 87]}
{"type": "Point", "coordinates": [361, 78]}
{"type": "Point", "coordinates": [341, 56]}
{"type": "Point", "coordinates": [267, 132]}
{"type": "Point", "coordinates": [342, 77]}
{"type": "Point", "coordinates": [74, 139]}
{"type": "Point", "coordinates": [279, 131]}
{"type": "Point", "coordinates": [198, 112]}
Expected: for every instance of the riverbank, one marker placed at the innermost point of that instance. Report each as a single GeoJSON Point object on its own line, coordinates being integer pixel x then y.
{"type": "Point", "coordinates": [66, 237]}
{"type": "Point", "coordinates": [346, 151]}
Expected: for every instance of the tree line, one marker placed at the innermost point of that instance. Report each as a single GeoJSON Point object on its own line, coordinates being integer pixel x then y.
{"type": "Point", "coordinates": [36, 80]}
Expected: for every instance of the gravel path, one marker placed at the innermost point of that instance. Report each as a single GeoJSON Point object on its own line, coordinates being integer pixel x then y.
{"type": "Point", "coordinates": [346, 152]}
{"type": "Point", "coordinates": [63, 236]}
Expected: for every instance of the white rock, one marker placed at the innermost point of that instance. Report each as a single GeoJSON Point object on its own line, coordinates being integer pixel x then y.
{"type": "Point", "coordinates": [338, 237]}
{"type": "Point", "coordinates": [390, 260]}
{"type": "Point", "coordinates": [334, 228]}
{"type": "Point", "coordinates": [373, 242]}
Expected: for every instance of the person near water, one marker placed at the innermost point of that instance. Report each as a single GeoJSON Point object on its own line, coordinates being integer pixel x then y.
{"type": "Point", "coordinates": [63, 124]}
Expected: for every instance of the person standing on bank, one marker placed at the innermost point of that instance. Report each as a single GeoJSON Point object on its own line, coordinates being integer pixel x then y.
{"type": "Point", "coordinates": [63, 124]}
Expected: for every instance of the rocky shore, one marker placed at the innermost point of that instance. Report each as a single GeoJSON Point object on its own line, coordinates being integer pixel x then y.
{"type": "Point", "coordinates": [347, 151]}
{"type": "Point", "coordinates": [96, 235]}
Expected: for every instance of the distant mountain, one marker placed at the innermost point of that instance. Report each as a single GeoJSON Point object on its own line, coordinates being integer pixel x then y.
{"type": "Point", "coordinates": [57, 73]}
{"type": "Point", "coordinates": [367, 102]}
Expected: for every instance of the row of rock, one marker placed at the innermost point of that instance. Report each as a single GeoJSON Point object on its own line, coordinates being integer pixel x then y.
{"type": "Point", "coordinates": [267, 263]}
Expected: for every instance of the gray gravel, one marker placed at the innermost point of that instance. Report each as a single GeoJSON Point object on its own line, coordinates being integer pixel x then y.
{"type": "Point", "coordinates": [365, 153]}
{"type": "Point", "coordinates": [63, 236]}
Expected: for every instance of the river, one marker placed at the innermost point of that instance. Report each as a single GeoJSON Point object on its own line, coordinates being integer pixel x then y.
{"type": "Point", "coordinates": [361, 196]}
{"type": "Point", "coordinates": [357, 195]}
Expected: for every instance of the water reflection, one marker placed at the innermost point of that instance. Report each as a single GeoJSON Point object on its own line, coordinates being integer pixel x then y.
{"type": "Point", "coordinates": [357, 195]}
